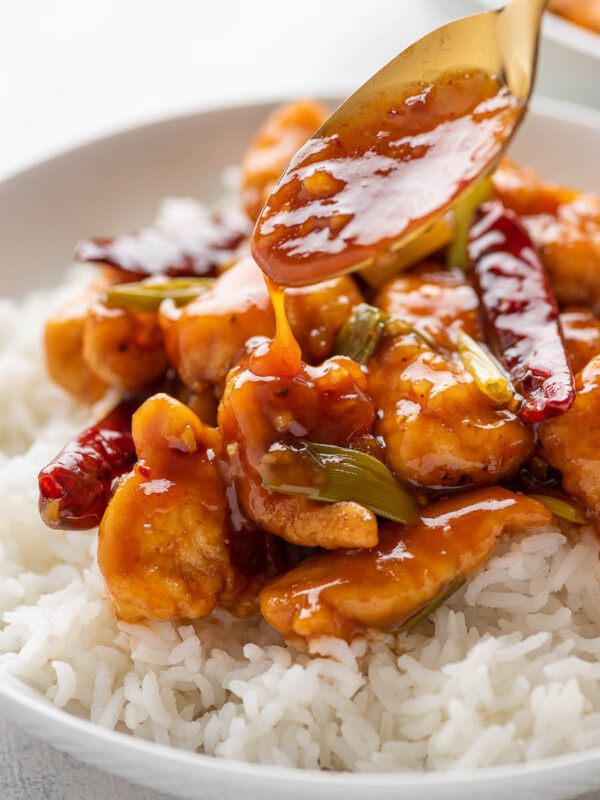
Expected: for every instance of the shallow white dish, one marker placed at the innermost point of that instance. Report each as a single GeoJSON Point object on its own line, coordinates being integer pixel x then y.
{"type": "Point", "coordinates": [115, 185]}
{"type": "Point", "coordinates": [569, 59]}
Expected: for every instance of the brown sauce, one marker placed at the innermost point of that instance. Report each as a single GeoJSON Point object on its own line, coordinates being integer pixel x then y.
{"type": "Point", "coordinates": [389, 169]}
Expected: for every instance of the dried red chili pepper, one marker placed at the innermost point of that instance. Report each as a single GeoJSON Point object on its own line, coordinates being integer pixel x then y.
{"type": "Point", "coordinates": [520, 312]}
{"type": "Point", "coordinates": [76, 486]}
{"type": "Point", "coordinates": [181, 253]}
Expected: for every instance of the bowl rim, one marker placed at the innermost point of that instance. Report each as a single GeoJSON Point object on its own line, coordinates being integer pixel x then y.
{"type": "Point", "coordinates": [20, 694]}
{"type": "Point", "coordinates": [544, 105]}
{"type": "Point", "coordinates": [16, 695]}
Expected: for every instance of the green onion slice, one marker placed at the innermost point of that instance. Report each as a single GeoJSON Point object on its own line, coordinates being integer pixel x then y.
{"type": "Point", "coordinates": [332, 474]}
{"type": "Point", "coordinates": [561, 508]}
{"type": "Point", "coordinates": [359, 337]}
{"type": "Point", "coordinates": [484, 370]}
{"type": "Point", "coordinates": [400, 327]}
{"type": "Point", "coordinates": [147, 295]}
{"type": "Point", "coordinates": [463, 216]}
{"type": "Point", "coordinates": [452, 587]}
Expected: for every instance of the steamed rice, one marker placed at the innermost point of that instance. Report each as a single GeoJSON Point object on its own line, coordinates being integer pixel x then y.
{"type": "Point", "coordinates": [506, 671]}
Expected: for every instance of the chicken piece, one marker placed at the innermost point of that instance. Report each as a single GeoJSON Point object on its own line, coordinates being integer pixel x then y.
{"type": "Point", "coordinates": [437, 301]}
{"type": "Point", "coordinates": [325, 404]}
{"type": "Point", "coordinates": [203, 404]}
{"type": "Point", "coordinates": [582, 12]}
{"type": "Point", "coordinates": [565, 227]}
{"type": "Point", "coordinates": [123, 347]}
{"type": "Point", "coordinates": [318, 312]}
{"type": "Point", "coordinates": [440, 430]}
{"type": "Point", "coordinates": [163, 542]}
{"type": "Point", "coordinates": [208, 336]}
{"type": "Point", "coordinates": [281, 135]}
{"type": "Point", "coordinates": [63, 343]}
{"type": "Point", "coordinates": [344, 593]}
{"type": "Point", "coordinates": [581, 334]}
{"type": "Point", "coordinates": [571, 442]}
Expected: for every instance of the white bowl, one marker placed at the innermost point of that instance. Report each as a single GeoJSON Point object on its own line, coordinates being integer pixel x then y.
{"type": "Point", "coordinates": [115, 185]}
{"type": "Point", "coordinates": [569, 66]}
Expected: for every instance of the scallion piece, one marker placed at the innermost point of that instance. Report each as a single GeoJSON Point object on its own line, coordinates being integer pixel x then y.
{"type": "Point", "coordinates": [400, 327]}
{"type": "Point", "coordinates": [484, 370]}
{"type": "Point", "coordinates": [452, 587]}
{"type": "Point", "coordinates": [463, 216]}
{"type": "Point", "coordinates": [332, 474]}
{"type": "Point", "coordinates": [147, 295]}
{"type": "Point", "coordinates": [560, 508]}
{"type": "Point", "coordinates": [359, 337]}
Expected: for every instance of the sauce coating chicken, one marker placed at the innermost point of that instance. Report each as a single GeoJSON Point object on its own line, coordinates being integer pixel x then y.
{"type": "Point", "coordinates": [437, 301]}
{"type": "Point", "coordinates": [124, 348]}
{"type": "Point", "coordinates": [565, 227]}
{"type": "Point", "coordinates": [163, 543]}
{"type": "Point", "coordinates": [327, 404]}
{"type": "Point", "coordinates": [281, 135]}
{"type": "Point", "coordinates": [571, 443]}
{"type": "Point", "coordinates": [207, 337]}
{"type": "Point", "coordinates": [89, 346]}
{"type": "Point", "coordinates": [440, 430]}
{"type": "Point", "coordinates": [63, 343]}
{"type": "Point", "coordinates": [345, 592]}
{"type": "Point", "coordinates": [581, 332]}
{"type": "Point", "coordinates": [215, 515]}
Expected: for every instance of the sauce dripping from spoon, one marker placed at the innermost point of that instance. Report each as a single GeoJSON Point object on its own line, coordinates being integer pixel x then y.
{"type": "Point", "coordinates": [280, 356]}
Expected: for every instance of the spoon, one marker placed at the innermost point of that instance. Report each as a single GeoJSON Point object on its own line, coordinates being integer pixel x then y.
{"type": "Point", "coordinates": [403, 149]}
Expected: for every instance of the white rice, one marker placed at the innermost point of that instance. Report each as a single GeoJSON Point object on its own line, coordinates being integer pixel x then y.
{"type": "Point", "coordinates": [507, 670]}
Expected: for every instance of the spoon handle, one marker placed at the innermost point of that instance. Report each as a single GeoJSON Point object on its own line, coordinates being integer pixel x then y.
{"type": "Point", "coordinates": [519, 25]}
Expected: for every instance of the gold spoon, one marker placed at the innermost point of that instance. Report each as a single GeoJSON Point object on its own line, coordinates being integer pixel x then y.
{"type": "Point", "coordinates": [503, 43]}
{"type": "Point", "coordinates": [302, 237]}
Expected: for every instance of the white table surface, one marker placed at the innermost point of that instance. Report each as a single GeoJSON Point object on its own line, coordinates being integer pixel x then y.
{"type": "Point", "coordinates": [73, 70]}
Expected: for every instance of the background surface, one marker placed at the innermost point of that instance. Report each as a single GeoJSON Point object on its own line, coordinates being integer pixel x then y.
{"type": "Point", "coordinates": [74, 70]}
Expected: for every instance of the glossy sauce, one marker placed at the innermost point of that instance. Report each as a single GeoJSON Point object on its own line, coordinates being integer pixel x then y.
{"type": "Point", "coordinates": [165, 549]}
{"type": "Point", "coordinates": [581, 332]}
{"type": "Point", "coordinates": [190, 250]}
{"type": "Point", "coordinates": [76, 486]}
{"type": "Point", "coordinates": [388, 170]}
{"type": "Point", "coordinates": [272, 399]}
{"type": "Point", "coordinates": [438, 302]}
{"type": "Point", "coordinates": [347, 591]}
{"type": "Point", "coordinates": [571, 442]}
{"type": "Point", "coordinates": [520, 312]}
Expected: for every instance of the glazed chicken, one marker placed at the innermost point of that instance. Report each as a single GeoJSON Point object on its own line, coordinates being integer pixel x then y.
{"type": "Point", "coordinates": [348, 591]}
{"type": "Point", "coordinates": [90, 346]}
{"type": "Point", "coordinates": [281, 135]}
{"type": "Point", "coordinates": [328, 404]}
{"type": "Point", "coordinates": [206, 338]}
{"type": "Point", "coordinates": [124, 348]}
{"type": "Point", "coordinates": [164, 546]}
{"type": "Point", "coordinates": [565, 227]}
{"type": "Point", "coordinates": [343, 456]}
{"type": "Point", "coordinates": [581, 331]}
{"type": "Point", "coordinates": [571, 443]}
{"type": "Point", "coordinates": [438, 302]}
{"type": "Point", "coordinates": [63, 343]}
{"type": "Point", "coordinates": [422, 396]}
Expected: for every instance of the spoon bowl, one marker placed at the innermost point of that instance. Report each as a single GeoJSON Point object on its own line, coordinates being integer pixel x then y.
{"type": "Point", "coordinates": [403, 149]}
